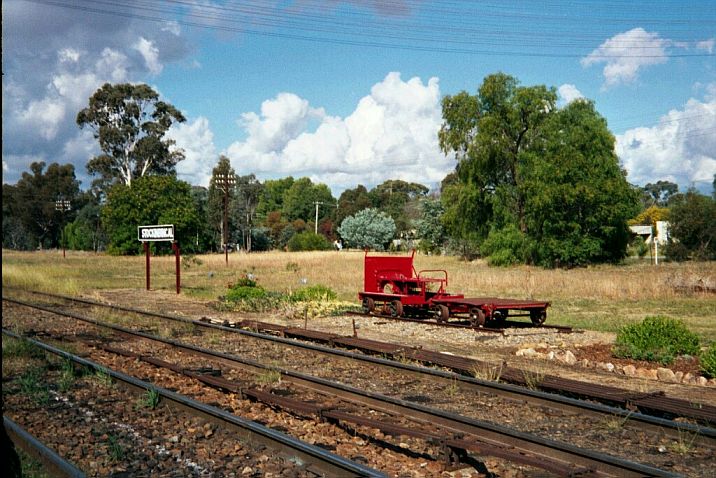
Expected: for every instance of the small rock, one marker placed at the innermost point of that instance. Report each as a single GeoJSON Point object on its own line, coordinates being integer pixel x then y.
{"type": "Point", "coordinates": [678, 376]}
{"type": "Point", "coordinates": [529, 352]}
{"type": "Point", "coordinates": [569, 358]}
{"type": "Point", "coordinates": [247, 470]}
{"type": "Point", "coordinates": [629, 370]}
{"type": "Point", "coordinates": [585, 363]}
{"type": "Point", "coordinates": [665, 374]}
{"type": "Point", "coordinates": [688, 378]}
{"type": "Point", "coordinates": [606, 366]}
{"type": "Point", "coordinates": [551, 355]}
{"type": "Point", "coordinates": [702, 381]}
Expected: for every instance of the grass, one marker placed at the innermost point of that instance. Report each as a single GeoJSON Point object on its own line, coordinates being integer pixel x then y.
{"type": "Point", "coordinates": [596, 298]}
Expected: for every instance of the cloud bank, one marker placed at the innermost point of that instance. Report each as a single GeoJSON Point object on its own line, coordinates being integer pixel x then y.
{"type": "Point", "coordinates": [681, 148]}
{"type": "Point", "coordinates": [392, 133]}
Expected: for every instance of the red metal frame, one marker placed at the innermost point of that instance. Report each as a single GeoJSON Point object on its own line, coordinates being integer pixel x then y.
{"type": "Point", "coordinates": [393, 283]}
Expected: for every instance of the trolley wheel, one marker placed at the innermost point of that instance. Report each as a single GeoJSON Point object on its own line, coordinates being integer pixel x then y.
{"type": "Point", "coordinates": [538, 316]}
{"type": "Point", "coordinates": [500, 316]}
{"type": "Point", "coordinates": [368, 305]}
{"type": "Point", "coordinates": [477, 317]}
{"type": "Point", "coordinates": [396, 308]}
{"type": "Point", "coordinates": [443, 313]}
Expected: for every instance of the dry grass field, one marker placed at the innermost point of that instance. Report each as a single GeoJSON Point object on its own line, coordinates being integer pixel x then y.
{"type": "Point", "coordinates": [597, 298]}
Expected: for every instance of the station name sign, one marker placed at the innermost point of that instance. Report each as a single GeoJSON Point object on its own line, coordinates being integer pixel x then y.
{"type": "Point", "coordinates": [164, 232]}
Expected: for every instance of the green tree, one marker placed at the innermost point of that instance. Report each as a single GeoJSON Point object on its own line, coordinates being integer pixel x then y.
{"type": "Point", "coordinates": [150, 200]}
{"type": "Point", "coordinates": [308, 241]}
{"type": "Point", "coordinates": [693, 227]}
{"type": "Point", "coordinates": [32, 203]}
{"type": "Point", "coordinates": [299, 201]}
{"type": "Point", "coordinates": [351, 201]}
{"type": "Point", "coordinates": [129, 123]}
{"type": "Point", "coordinates": [533, 183]}
{"type": "Point", "coordinates": [578, 201]}
{"type": "Point", "coordinates": [492, 134]}
{"type": "Point", "coordinates": [272, 195]}
{"type": "Point", "coordinates": [368, 228]}
{"type": "Point", "coordinates": [86, 233]}
{"type": "Point", "coordinates": [399, 199]}
{"type": "Point", "coordinates": [659, 193]}
{"type": "Point", "coordinates": [430, 227]}
{"type": "Point", "coordinates": [248, 192]}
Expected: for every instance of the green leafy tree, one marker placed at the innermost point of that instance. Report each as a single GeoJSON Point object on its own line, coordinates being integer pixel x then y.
{"type": "Point", "coordinates": [248, 192]}
{"type": "Point", "coordinates": [308, 241]}
{"type": "Point", "coordinates": [299, 201]}
{"type": "Point", "coordinates": [430, 227]}
{"type": "Point", "coordinates": [368, 229]}
{"type": "Point", "coordinates": [130, 122]}
{"type": "Point", "coordinates": [693, 227]}
{"type": "Point", "coordinates": [32, 203]}
{"type": "Point", "coordinates": [492, 145]}
{"type": "Point", "coordinates": [150, 200]}
{"type": "Point", "coordinates": [659, 193]}
{"type": "Point", "coordinates": [272, 195]}
{"type": "Point", "coordinates": [86, 233]}
{"type": "Point", "coordinates": [399, 199]}
{"type": "Point", "coordinates": [533, 183]}
{"type": "Point", "coordinates": [351, 201]}
{"type": "Point", "coordinates": [578, 201]}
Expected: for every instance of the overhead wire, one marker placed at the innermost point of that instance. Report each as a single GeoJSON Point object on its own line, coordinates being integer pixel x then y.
{"type": "Point", "coordinates": [362, 29]}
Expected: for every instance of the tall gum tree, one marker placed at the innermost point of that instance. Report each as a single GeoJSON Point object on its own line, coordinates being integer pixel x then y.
{"type": "Point", "coordinates": [130, 122]}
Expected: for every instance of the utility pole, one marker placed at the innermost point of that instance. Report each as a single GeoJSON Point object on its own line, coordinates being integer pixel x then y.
{"type": "Point", "coordinates": [62, 205]}
{"type": "Point", "coordinates": [225, 182]}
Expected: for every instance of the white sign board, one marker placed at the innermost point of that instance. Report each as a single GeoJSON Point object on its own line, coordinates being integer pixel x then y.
{"type": "Point", "coordinates": [164, 232]}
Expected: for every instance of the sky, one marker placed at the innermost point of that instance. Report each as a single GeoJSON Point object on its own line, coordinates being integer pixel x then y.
{"type": "Point", "coordinates": [349, 92]}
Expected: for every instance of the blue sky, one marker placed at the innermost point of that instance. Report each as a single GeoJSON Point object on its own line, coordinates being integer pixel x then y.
{"type": "Point", "coordinates": [348, 92]}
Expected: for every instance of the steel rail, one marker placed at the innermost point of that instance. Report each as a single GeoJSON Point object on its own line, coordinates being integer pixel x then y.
{"type": "Point", "coordinates": [53, 464]}
{"type": "Point", "coordinates": [527, 445]}
{"type": "Point", "coordinates": [703, 434]}
{"type": "Point", "coordinates": [311, 457]}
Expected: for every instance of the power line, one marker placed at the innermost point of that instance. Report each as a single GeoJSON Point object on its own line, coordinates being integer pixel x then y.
{"type": "Point", "coordinates": [434, 36]}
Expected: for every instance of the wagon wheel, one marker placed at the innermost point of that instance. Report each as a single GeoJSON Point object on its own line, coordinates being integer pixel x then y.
{"type": "Point", "coordinates": [538, 316]}
{"type": "Point", "coordinates": [396, 309]}
{"type": "Point", "coordinates": [477, 317]}
{"type": "Point", "coordinates": [368, 305]}
{"type": "Point", "coordinates": [500, 316]}
{"type": "Point", "coordinates": [442, 312]}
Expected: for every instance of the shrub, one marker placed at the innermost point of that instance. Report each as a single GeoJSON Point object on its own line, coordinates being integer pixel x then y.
{"type": "Point", "coordinates": [308, 241]}
{"type": "Point", "coordinates": [708, 361]}
{"type": "Point", "coordinates": [314, 292]}
{"type": "Point", "coordinates": [243, 292]}
{"type": "Point", "coordinates": [657, 339]}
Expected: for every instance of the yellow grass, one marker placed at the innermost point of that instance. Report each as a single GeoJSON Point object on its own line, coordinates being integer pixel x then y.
{"type": "Point", "coordinates": [600, 297]}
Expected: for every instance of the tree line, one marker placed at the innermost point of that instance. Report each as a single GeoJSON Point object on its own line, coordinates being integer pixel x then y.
{"type": "Point", "coordinates": [534, 183]}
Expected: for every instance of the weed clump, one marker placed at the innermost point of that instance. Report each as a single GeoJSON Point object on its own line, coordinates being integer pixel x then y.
{"type": "Point", "coordinates": [246, 295]}
{"type": "Point", "coordinates": [656, 339]}
{"type": "Point", "coordinates": [708, 361]}
{"type": "Point", "coordinates": [314, 293]}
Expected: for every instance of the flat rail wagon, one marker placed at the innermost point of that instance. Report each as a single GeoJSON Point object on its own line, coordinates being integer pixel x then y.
{"type": "Point", "coordinates": [392, 286]}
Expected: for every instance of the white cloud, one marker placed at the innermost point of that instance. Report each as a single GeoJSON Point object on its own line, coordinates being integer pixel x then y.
{"type": "Point", "coordinates": [625, 54]}
{"type": "Point", "coordinates": [568, 93]}
{"type": "Point", "coordinates": [150, 53]}
{"type": "Point", "coordinates": [707, 45]}
{"type": "Point", "coordinates": [197, 141]}
{"type": "Point", "coordinates": [68, 55]}
{"type": "Point", "coordinates": [391, 134]}
{"type": "Point", "coordinates": [680, 148]}
{"type": "Point", "coordinates": [44, 115]}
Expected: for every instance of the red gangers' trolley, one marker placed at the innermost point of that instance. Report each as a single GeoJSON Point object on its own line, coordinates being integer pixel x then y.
{"type": "Point", "coordinates": [392, 286]}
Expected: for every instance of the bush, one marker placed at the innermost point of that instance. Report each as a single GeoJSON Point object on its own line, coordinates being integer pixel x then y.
{"type": "Point", "coordinates": [314, 292]}
{"type": "Point", "coordinates": [708, 361]}
{"type": "Point", "coordinates": [657, 339]}
{"type": "Point", "coordinates": [242, 292]}
{"type": "Point", "coordinates": [308, 241]}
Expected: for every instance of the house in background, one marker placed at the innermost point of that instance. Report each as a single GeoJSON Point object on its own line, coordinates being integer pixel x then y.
{"type": "Point", "coordinates": [646, 232]}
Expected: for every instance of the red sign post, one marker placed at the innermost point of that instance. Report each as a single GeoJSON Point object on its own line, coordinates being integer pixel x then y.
{"type": "Point", "coordinates": [165, 232]}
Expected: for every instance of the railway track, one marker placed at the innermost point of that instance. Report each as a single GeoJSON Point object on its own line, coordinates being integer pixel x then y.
{"type": "Point", "coordinates": [458, 437]}
{"type": "Point", "coordinates": [310, 460]}
{"type": "Point", "coordinates": [456, 446]}
{"type": "Point", "coordinates": [648, 404]}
